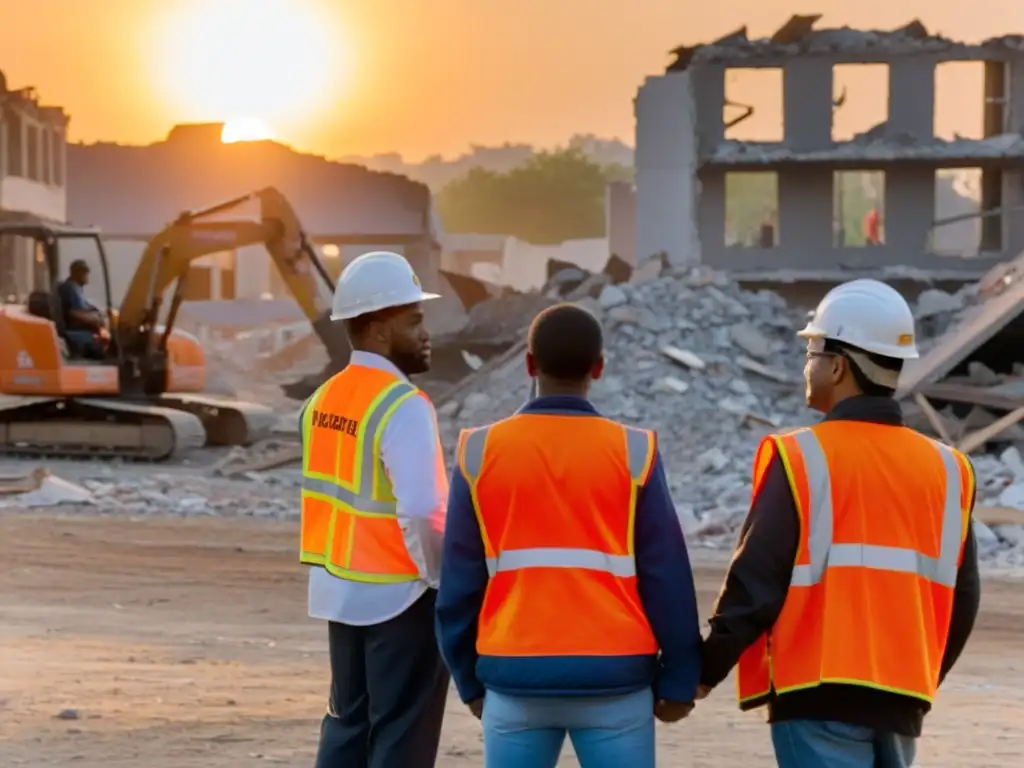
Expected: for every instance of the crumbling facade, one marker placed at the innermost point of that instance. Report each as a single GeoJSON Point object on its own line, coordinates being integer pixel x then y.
{"type": "Point", "coordinates": [683, 157]}
{"type": "Point", "coordinates": [33, 159]}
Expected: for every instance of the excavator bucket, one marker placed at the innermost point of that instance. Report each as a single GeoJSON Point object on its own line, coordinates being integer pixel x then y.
{"type": "Point", "coordinates": [332, 336]}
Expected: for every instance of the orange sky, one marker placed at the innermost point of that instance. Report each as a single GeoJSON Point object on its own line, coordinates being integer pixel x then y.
{"type": "Point", "coordinates": [423, 76]}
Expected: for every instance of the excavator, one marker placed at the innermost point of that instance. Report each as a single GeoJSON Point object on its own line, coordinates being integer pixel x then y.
{"type": "Point", "coordinates": [144, 399]}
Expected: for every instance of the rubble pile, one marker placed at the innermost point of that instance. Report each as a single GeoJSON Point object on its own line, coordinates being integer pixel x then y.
{"type": "Point", "coordinates": [999, 509]}
{"type": "Point", "coordinates": [937, 312]}
{"type": "Point", "coordinates": [122, 490]}
{"type": "Point", "coordinates": [713, 369]}
{"type": "Point", "coordinates": [710, 367]}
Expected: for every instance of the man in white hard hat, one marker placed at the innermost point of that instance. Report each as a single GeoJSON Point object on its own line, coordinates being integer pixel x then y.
{"type": "Point", "coordinates": [373, 500]}
{"type": "Point", "coordinates": [854, 586]}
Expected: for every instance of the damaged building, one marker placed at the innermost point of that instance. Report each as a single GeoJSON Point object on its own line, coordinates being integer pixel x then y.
{"type": "Point", "coordinates": [132, 192]}
{"type": "Point", "coordinates": [685, 158]}
{"type": "Point", "coordinates": [33, 146]}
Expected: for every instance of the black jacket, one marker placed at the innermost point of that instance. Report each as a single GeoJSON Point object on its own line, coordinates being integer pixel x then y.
{"type": "Point", "coordinates": [757, 583]}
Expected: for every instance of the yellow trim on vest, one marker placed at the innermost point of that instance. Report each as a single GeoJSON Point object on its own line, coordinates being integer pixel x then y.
{"type": "Point", "coordinates": [381, 490]}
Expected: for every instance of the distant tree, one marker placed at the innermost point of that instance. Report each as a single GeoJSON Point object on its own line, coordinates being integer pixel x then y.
{"type": "Point", "coordinates": [553, 196]}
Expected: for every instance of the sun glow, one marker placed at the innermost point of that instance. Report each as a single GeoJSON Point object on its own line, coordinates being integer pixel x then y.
{"type": "Point", "coordinates": [283, 60]}
{"type": "Point", "coordinates": [246, 128]}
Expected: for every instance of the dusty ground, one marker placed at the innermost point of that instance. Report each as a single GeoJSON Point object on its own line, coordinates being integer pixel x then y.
{"type": "Point", "coordinates": [185, 643]}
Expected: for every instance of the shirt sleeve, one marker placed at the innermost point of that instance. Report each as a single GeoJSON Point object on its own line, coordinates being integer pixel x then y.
{"type": "Point", "coordinates": [966, 599]}
{"type": "Point", "coordinates": [757, 582]}
{"type": "Point", "coordinates": [463, 586]}
{"type": "Point", "coordinates": [410, 451]}
{"type": "Point", "coordinates": [666, 587]}
{"type": "Point", "coordinates": [70, 297]}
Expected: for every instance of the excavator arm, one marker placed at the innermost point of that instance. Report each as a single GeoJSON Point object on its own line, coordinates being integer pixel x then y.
{"type": "Point", "coordinates": [168, 257]}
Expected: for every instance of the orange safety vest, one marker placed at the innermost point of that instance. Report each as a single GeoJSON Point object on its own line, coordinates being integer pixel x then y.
{"type": "Point", "coordinates": [349, 513]}
{"type": "Point", "coordinates": [555, 499]}
{"type": "Point", "coordinates": [884, 513]}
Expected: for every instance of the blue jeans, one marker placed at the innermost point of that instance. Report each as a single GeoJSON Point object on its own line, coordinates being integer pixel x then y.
{"type": "Point", "coordinates": [606, 732]}
{"type": "Point", "coordinates": [84, 344]}
{"type": "Point", "coordinates": [827, 744]}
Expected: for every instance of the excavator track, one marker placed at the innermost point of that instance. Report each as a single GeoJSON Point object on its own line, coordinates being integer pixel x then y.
{"type": "Point", "coordinates": [96, 428]}
{"type": "Point", "coordinates": [225, 421]}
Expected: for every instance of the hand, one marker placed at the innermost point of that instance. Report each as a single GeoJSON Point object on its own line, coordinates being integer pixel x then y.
{"type": "Point", "coordinates": [477, 708]}
{"type": "Point", "coordinates": [702, 692]}
{"type": "Point", "coordinates": [672, 711]}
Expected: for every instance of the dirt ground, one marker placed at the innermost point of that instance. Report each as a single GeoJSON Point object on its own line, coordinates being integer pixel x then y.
{"type": "Point", "coordinates": [173, 643]}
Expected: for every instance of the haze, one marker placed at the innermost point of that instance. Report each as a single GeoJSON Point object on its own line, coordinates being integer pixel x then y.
{"type": "Point", "coordinates": [408, 76]}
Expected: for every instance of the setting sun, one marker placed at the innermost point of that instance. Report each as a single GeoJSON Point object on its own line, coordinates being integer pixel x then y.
{"type": "Point", "coordinates": [284, 60]}
{"type": "Point", "coordinates": [246, 128]}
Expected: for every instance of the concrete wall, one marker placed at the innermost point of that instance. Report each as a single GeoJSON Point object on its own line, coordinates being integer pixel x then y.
{"type": "Point", "coordinates": [620, 220]}
{"type": "Point", "coordinates": [44, 200]}
{"type": "Point", "coordinates": [524, 265]}
{"type": "Point", "coordinates": [1013, 181]}
{"type": "Point", "coordinates": [33, 159]}
{"type": "Point", "coordinates": [912, 97]}
{"type": "Point", "coordinates": [805, 237]}
{"type": "Point", "coordinates": [666, 169]}
{"type": "Point", "coordinates": [680, 120]}
{"type": "Point", "coordinates": [807, 104]}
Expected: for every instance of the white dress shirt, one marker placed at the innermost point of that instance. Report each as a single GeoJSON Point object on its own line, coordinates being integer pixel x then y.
{"type": "Point", "coordinates": [409, 452]}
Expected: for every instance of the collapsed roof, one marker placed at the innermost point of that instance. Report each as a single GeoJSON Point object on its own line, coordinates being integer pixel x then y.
{"type": "Point", "coordinates": [798, 37]}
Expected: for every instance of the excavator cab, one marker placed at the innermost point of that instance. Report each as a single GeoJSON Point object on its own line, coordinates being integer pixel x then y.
{"type": "Point", "coordinates": [34, 321]}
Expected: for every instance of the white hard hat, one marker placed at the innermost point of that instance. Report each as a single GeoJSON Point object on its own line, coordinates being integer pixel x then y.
{"type": "Point", "coordinates": [868, 315]}
{"type": "Point", "coordinates": [376, 281]}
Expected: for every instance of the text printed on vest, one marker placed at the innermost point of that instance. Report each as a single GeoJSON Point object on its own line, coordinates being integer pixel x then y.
{"type": "Point", "coordinates": [335, 422]}
{"type": "Point", "coordinates": [359, 496]}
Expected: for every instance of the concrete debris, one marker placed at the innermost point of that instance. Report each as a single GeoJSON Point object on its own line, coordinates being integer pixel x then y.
{"type": "Point", "coordinates": [267, 454]}
{"type": "Point", "coordinates": [612, 296]}
{"type": "Point", "coordinates": [710, 367]}
{"type": "Point", "coordinates": [136, 491]}
{"type": "Point", "coordinates": [673, 346]}
{"type": "Point", "coordinates": [688, 355]}
{"type": "Point", "coordinates": [41, 489]}
{"type": "Point", "coordinates": [797, 37]}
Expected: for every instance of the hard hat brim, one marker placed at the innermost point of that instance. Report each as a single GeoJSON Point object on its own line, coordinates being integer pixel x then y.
{"type": "Point", "coordinates": [812, 332]}
{"type": "Point", "coordinates": [335, 316]}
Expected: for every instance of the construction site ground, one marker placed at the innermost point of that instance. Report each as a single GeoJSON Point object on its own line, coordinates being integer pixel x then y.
{"type": "Point", "coordinates": [173, 643]}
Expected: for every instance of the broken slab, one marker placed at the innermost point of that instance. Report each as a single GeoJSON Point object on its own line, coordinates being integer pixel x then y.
{"type": "Point", "coordinates": [683, 357]}
{"type": "Point", "coordinates": [958, 344]}
{"type": "Point", "coordinates": [49, 491]}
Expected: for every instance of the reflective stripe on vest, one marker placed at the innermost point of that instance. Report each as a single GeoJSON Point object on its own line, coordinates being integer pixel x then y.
{"type": "Point", "coordinates": [349, 514]}
{"type": "Point", "coordinates": [809, 643]}
{"type": "Point", "coordinates": [639, 456]}
{"type": "Point", "coordinates": [824, 554]}
{"type": "Point", "coordinates": [359, 498]}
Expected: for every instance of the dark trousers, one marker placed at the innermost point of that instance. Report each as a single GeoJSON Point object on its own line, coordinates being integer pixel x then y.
{"type": "Point", "coordinates": [388, 691]}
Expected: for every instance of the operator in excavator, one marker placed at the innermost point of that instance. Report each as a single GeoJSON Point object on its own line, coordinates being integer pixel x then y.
{"type": "Point", "coordinates": [85, 325]}
{"type": "Point", "coordinates": [373, 504]}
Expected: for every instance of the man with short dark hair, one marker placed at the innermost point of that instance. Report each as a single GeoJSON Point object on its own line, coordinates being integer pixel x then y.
{"type": "Point", "coordinates": [83, 322]}
{"type": "Point", "coordinates": [854, 586]}
{"type": "Point", "coordinates": [373, 495]}
{"type": "Point", "coordinates": [567, 603]}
